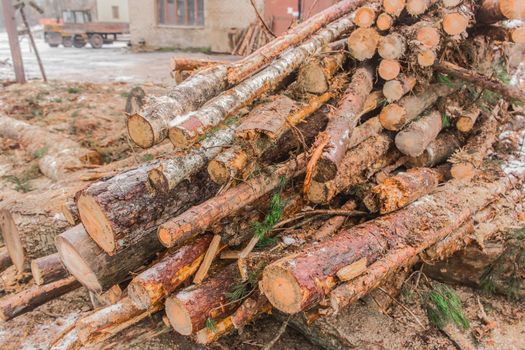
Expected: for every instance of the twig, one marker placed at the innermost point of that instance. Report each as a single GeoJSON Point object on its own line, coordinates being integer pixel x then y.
{"type": "Point", "coordinates": [403, 306]}
{"type": "Point", "coordinates": [265, 26]}
{"type": "Point", "coordinates": [279, 334]}
{"type": "Point", "coordinates": [337, 212]}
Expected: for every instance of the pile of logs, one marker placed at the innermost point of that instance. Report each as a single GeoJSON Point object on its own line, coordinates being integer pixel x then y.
{"type": "Point", "coordinates": [250, 39]}
{"type": "Point", "coordinates": [302, 177]}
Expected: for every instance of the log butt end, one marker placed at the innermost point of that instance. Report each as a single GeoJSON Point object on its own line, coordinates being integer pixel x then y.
{"type": "Point", "coordinates": [319, 192]}
{"type": "Point", "coordinates": [463, 171]}
{"type": "Point", "coordinates": [158, 181]}
{"type": "Point", "coordinates": [454, 23]}
{"type": "Point", "coordinates": [518, 35]}
{"type": "Point", "coordinates": [96, 223]}
{"type": "Point", "coordinates": [179, 138]}
{"type": "Point", "coordinates": [76, 265]}
{"type": "Point", "coordinates": [512, 9]}
{"type": "Point", "coordinates": [37, 274]}
{"type": "Point", "coordinates": [312, 78]}
{"type": "Point", "coordinates": [384, 22]}
{"type": "Point", "coordinates": [141, 131]}
{"type": "Point", "coordinates": [12, 240]}
{"type": "Point", "coordinates": [426, 58]}
{"type": "Point", "coordinates": [178, 316]}
{"type": "Point", "coordinates": [392, 117]}
{"type": "Point", "coordinates": [281, 289]}
{"type": "Point", "coordinates": [389, 69]}
{"type": "Point", "coordinates": [393, 90]}
{"type": "Point", "coordinates": [165, 237]}
{"type": "Point", "coordinates": [139, 296]}
{"type": "Point", "coordinates": [218, 172]}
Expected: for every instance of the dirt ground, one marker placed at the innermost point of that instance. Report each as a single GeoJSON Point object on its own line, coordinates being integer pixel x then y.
{"type": "Point", "coordinates": [93, 114]}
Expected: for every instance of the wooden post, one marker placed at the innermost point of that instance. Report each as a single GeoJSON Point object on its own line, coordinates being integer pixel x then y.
{"type": "Point", "coordinates": [32, 40]}
{"type": "Point", "coordinates": [16, 54]}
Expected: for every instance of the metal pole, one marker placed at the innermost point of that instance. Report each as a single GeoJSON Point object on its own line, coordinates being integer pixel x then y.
{"type": "Point", "coordinates": [32, 40]}
{"type": "Point", "coordinates": [16, 54]}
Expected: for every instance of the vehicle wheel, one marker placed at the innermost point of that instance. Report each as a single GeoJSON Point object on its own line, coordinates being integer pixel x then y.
{"type": "Point", "coordinates": [96, 41]}
{"type": "Point", "coordinates": [67, 41]}
{"type": "Point", "coordinates": [79, 42]}
{"type": "Point", "coordinates": [53, 45]}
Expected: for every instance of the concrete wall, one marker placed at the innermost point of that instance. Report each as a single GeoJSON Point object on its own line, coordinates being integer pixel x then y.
{"type": "Point", "coordinates": [219, 17]}
{"type": "Point", "coordinates": [105, 10]}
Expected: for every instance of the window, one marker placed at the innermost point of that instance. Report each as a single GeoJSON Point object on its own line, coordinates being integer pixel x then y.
{"type": "Point", "coordinates": [114, 10]}
{"type": "Point", "coordinates": [181, 12]}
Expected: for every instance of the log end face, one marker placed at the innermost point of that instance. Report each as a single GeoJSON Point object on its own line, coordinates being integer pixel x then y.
{"type": "Point", "coordinates": [389, 69]}
{"type": "Point", "coordinates": [384, 21]}
{"type": "Point", "coordinates": [96, 223]}
{"type": "Point", "coordinates": [312, 79]}
{"type": "Point", "coordinates": [158, 181]}
{"type": "Point", "coordinates": [393, 90]}
{"type": "Point", "coordinates": [37, 275]}
{"type": "Point", "coordinates": [179, 138]}
{"type": "Point", "coordinates": [319, 192]}
{"type": "Point", "coordinates": [218, 172]}
{"type": "Point", "coordinates": [512, 9]}
{"type": "Point", "coordinates": [326, 170]}
{"type": "Point", "coordinates": [178, 316]}
{"type": "Point", "coordinates": [426, 58]}
{"type": "Point", "coordinates": [76, 265]}
{"type": "Point", "coordinates": [165, 237]}
{"type": "Point", "coordinates": [281, 289]}
{"type": "Point", "coordinates": [12, 240]}
{"type": "Point", "coordinates": [140, 131]}
{"type": "Point", "coordinates": [139, 295]}
{"type": "Point", "coordinates": [455, 23]}
{"type": "Point", "coordinates": [392, 117]}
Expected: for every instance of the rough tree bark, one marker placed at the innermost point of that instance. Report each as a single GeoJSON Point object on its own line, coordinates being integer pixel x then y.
{"type": "Point", "coordinates": [25, 301]}
{"type": "Point", "coordinates": [164, 277]}
{"type": "Point", "coordinates": [437, 151]}
{"type": "Point", "coordinates": [57, 155]}
{"type": "Point", "coordinates": [342, 122]}
{"type": "Point", "coordinates": [5, 259]}
{"type": "Point", "coordinates": [95, 269]}
{"type": "Point", "coordinates": [199, 218]}
{"type": "Point", "coordinates": [299, 281]}
{"type": "Point", "coordinates": [48, 269]}
{"type": "Point", "coordinates": [119, 211]}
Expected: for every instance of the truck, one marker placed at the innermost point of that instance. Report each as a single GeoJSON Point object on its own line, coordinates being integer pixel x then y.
{"type": "Point", "coordinates": [77, 29]}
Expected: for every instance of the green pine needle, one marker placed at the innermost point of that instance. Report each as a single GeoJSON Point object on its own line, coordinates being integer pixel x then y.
{"type": "Point", "coordinates": [444, 306]}
{"type": "Point", "coordinates": [445, 120]}
{"type": "Point", "coordinates": [211, 324]}
{"type": "Point", "coordinates": [443, 79]}
{"type": "Point", "coordinates": [277, 205]}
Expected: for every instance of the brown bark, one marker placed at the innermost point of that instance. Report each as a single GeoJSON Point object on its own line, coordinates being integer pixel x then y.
{"type": "Point", "coordinates": [414, 139]}
{"type": "Point", "coordinates": [362, 43]}
{"type": "Point", "coordinates": [508, 91]}
{"type": "Point", "coordinates": [299, 281]}
{"type": "Point", "coordinates": [95, 269]}
{"type": "Point", "coordinates": [437, 151]}
{"type": "Point", "coordinates": [394, 90]}
{"type": "Point", "coordinates": [333, 224]}
{"type": "Point", "coordinates": [491, 11]}
{"type": "Point", "coordinates": [358, 164]}
{"type": "Point", "coordinates": [120, 211]}
{"type": "Point", "coordinates": [251, 64]}
{"type": "Point", "coordinates": [48, 269]}
{"type": "Point", "coordinates": [199, 218]}
{"type": "Point", "coordinates": [57, 155]}
{"type": "Point", "coordinates": [70, 211]}
{"type": "Point", "coordinates": [160, 280]}
{"type": "Point", "coordinates": [25, 301]}
{"type": "Point", "coordinates": [109, 297]}
{"type": "Point", "coordinates": [342, 123]}
{"type": "Point", "coordinates": [396, 115]}
{"type": "Point", "coordinates": [404, 188]}
{"type": "Point", "coordinates": [5, 259]}
{"type": "Point", "coordinates": [184, 133]}
{"type": "Point", "coordinates": [106, 322]}
{"type": "Point", "coordinates": [189, 309]}
{"type": "Point", "coordinates": [315, 75]}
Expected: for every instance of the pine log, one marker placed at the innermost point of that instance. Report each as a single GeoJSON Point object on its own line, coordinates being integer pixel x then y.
{"type": "Point", "coordinates": [227, 164]}
{"type": "Point", "coordinates": [342, 122]}
{"type": "Point", "coordinates": [365, 16]}
{"type": "Point", "coordinates": [95, 269]}
{"type": "Point", "coordinates": [394, 7]}
{"type": "Point", "coordinates": [70, 211]}
{"type": "Point", "coordinates": [362, 43]}
{"type": "Point", "coordinates": [508, 91]}
{"type": "Point", "coordinates": [160, 280]}
{"type": "Point", "coordinates": [492, 11]}
{"type": "Point", "coordinates": [358, 164]}
{"type": "Point", "coordinates": [184, 131]}
{"type": "Point", "coordinates": [518, 35]}
{"type": "Point", "coordinates": [106, 322]}
{"type": "Point", "coordinates": [394, 90]}
{"type": "Point", "coordinates": [398, 191]}
{"type": "Point", "coordinates": [455, 22]}
{"type": "Point", "coordinates": [251, 64]}
{"type": "Point", "coordinates": [315, 75]}
{"type": "Point", "coordinates": [333, 224]}
{"type": "Point", "coordinates": [189, 309]}
{"type": "Point", "coordinates": [396, 115]}
{"type": "Point", "coordinates": [437, 151]}
{"type": "Point", "coordinates": [198, 218]}
{"type": "Point", "coordinates": [5, 259]}
{"type": "Point", "coordinates": [67, 340]}
{"type": "Point", "coordinates": [29, 299]}
{"type": "Point", "coordinates": [384, 21]}
{"type": "Point", "coordinates": [414, 139]}
{"type": "Point", "coordinates": [48, 269]}
{"type": "Point", "coordinates": [466, 120]}
{"type": "Point", "coordinates": [392, 46]}
{"type": "Point", "coordinates": [178, 64]}
{"type": "Point", "coordinates": [57, 155]}
{"type": "Point", "coordinates": [171, 172]}
{"type": "Point", "coordinates": [109, 297]}
{"type": "Point", "coordinates": [299, 281]}
{"type": "Point", "coordinates": [118, 212]}
{"type": "Point", "coordinates": [389, 69]}
{"type": "Point", "coordinates": [419, 7]}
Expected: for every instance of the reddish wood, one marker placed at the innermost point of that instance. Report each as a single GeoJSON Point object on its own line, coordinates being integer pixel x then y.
{"type": "Point", "coordinates": [48, 269]}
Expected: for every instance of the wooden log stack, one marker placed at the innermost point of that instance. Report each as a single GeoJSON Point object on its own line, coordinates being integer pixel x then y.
{"type": "Point", "coordinates": [365, 110]}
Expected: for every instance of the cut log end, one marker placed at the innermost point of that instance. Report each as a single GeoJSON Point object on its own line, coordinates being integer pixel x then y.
{"type": "Point", "coordinates": [140, 131]}
{"type": "Point", "coordinates": [428, 36]}
{"type": "Point", "coordinates": [451, 3]}
{"type": "Point", "coordinates": [312, 78]}
{"type": "Point", "coordinates": [165, 237]}
{"type": "Point", "coordinates": [281, 289]}
{"type": "Point", "coordinates": [463, 171]}
{"type": "Point", "coordinates": [518, 35]}
{"type": "Point", "coordinates": [158, 181]}
{"type": "Point", "coordinates": [455, 23]}
{"type": "Point", "coordinates": [394, 7]}
{"type": "Point", "coordinates": [12, 239]}
{"type": "Point", "coordinates": [512, 9]}
{"type": "Point", "coordinates": [37, 275]}
{"type": "Point", "coordinates": [179, 139]}
{"type": "Point", "coordinates": [426, 58]}
{"type": "Point", "coordinates": [326, 170]}
{"type": "Point", "coordinates": [178, 316]}
{"type": "Point", "coordinates": [364, 17]}
{"type": "Point", "coordinates": [465, 124]}
{"type": "Point", "coordinates": [76, 265]}
{"type": "Point", "coordinates": [392, 117]}
{"type": "Point", "coordinates": [363, 42]}
{"type": "Point", "coordinates": [393, 90]}
{"type": "Point", "coordinates": [319, 192]}
{"type": "Point", "coordinates": [384, 22]}
{"type": "Point", "coordinates": [417, 7]}
{"type": "Point", "coordinates": [139, 295]}
{"type": "Point", "coordinates": [96, 223]}
{"type": "Point", "coordinates": [389, 69]}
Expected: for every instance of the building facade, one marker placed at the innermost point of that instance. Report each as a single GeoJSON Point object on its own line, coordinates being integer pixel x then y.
{"type": "Point", "coordinates": [112, 11]}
